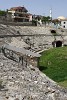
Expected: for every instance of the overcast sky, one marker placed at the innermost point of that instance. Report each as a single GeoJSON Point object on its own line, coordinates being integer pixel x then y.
{"type": "Point", "coordinates": [41, 7]}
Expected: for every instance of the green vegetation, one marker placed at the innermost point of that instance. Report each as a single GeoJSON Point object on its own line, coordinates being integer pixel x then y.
{"type": "Point", "coordinates": [63, 83]}
{"type": "Point", "coordinates": [53, 63]}
{"type": "Point", "coordinates": [34, 22]}
{"type": "Point", "coordinates": [46, 19]}
{"type": "Point", "coordinates": [2, 13]}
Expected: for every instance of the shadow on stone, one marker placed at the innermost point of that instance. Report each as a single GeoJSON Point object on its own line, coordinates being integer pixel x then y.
{"type": "Point", "coordinates": [1, 87]}
{"type": "Point", "coordinates": [41, 68]}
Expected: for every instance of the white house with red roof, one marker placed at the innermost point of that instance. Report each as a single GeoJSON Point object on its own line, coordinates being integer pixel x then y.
{"type": "Point", "coordinates": [20, 14]}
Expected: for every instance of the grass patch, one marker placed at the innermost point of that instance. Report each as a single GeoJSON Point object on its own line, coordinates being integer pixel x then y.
{"type": "Point", "coordinates": [54, 63]}
{"type": "Point", "coordinates": [63, 83]}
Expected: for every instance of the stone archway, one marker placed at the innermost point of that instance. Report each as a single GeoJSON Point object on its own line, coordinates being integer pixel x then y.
{"type": "Point", "coordinates": [53, 31]}
{"type": "Point", "coordinates": [58, 43]}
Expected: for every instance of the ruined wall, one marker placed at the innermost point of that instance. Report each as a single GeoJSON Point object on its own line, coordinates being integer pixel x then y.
{"type": "Point", "coordinates": [37, 43]}
{"type": "Point", "coordinates": [27, 83]}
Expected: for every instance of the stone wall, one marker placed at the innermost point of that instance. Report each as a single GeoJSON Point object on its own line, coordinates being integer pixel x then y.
{"type": "Point", "coordinates": [37, 43]}
{"type": "Point", "coordinates": [27, 83]}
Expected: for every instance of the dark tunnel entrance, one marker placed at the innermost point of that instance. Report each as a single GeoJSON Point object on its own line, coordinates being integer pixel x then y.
{"type": "Point", "coordinates": [53, 31]}
{"type": "Point", "coordinates": [58, 43]}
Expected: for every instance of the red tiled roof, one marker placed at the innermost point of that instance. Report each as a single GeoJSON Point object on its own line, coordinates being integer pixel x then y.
{"type": "Point", "coordinates": [19, 8]}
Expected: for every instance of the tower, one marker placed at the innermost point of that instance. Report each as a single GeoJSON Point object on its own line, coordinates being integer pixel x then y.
{"type": "Point", "coordinates": [51, 13]}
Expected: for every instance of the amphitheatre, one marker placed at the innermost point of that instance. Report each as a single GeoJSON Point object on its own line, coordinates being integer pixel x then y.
{"type": "Point", "coordinates": [20, 82]}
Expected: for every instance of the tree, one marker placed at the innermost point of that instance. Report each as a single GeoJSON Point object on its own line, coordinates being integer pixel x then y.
{"type": "Point", "coordinates": [2, 13]}
{"type": "Point", "coordinates": [46, 19]}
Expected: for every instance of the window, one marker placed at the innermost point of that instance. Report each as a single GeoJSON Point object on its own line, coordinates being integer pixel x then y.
{"type": "Point", "coordinates": [20, 10]}
{"type": "Point", "coordinates": [64, 26]}
{"type": "Point", "coordinates": [64, 22]}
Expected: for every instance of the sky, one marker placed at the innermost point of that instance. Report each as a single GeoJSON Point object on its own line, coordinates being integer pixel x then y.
{"type": "Point", "coordinates": [38, 7]}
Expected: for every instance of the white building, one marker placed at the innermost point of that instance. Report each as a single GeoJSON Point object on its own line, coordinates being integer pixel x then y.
{"type": "Point", "coordinates": [20, 14]}
{"type": "Point", "coordinates": [64, 23]}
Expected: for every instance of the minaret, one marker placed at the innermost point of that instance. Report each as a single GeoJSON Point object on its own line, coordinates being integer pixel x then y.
{"type": "Point", "coordinates": [51, 13]}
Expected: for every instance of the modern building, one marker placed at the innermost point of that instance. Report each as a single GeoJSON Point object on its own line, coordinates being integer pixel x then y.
{"type": "Point", "coordinates": [19, 14]}
{"type": "Point", "coordinates": [63, 22]}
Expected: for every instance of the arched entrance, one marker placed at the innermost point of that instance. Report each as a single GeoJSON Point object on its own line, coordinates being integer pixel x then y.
{"type": "Point", "coordinates": [53, 31]}
{"type": "Point", "coordinates": [58, 43]}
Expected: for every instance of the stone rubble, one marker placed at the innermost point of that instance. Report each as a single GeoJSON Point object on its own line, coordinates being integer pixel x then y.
{"type": "Point", "coordinates": [21, 83]}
